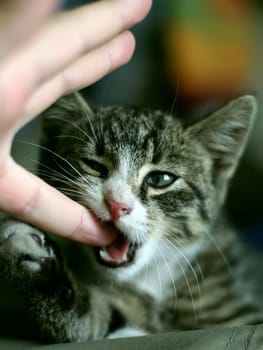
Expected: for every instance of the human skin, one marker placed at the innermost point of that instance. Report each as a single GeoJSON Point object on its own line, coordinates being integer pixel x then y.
{"type": "Point", "coordinates": [44, 55]}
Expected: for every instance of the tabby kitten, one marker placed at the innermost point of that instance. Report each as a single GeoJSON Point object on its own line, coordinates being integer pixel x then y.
{"type": "Point", "coordinates": [175, 263]}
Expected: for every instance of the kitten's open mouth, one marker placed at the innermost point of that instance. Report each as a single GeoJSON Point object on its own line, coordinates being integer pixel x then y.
{"type": "Point", "coordinates": [120, 253]}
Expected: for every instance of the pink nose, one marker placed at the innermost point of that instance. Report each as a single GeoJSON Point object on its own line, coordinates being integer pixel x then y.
{"type": "Point", "coordinates": [117, 209]}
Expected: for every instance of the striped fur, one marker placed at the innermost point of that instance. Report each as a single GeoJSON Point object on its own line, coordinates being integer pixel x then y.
{"type": "Point", "coordinates": [191, 270]}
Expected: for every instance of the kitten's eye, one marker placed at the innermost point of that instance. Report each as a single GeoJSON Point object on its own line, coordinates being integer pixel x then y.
{"type": "Point", "coordinates": [158, 179]}
{"type": "Point", "coordinates": [97, 167]}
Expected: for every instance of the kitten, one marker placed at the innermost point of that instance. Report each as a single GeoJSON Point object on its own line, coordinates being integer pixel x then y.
{"type": "Point", "coordinates": [175, 264]}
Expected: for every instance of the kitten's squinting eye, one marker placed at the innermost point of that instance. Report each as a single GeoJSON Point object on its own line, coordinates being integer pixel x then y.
{"type": "Point", "coordinates": [159, 179]}
{"type": "Point", "coordinates": [97, 167]}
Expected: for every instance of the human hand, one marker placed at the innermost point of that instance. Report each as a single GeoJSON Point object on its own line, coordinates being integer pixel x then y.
{"type": "Point", "coordinates": [42, 57]}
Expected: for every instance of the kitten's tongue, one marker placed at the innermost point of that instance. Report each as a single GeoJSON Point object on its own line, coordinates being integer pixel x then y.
{"type": "Point", "coordinates": [117, 252]}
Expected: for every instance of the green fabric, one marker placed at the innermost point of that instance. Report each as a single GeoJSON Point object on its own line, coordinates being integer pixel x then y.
{"type": "Point", "coordinates": [240, 338]}
{"type": "Point", "coordinates": [17, 332]}
{"type": "Point", "coordinates": [11, 344]}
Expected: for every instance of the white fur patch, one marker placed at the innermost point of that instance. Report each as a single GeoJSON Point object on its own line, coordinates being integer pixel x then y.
{"type": "Point", "coordinates": [167, 264]}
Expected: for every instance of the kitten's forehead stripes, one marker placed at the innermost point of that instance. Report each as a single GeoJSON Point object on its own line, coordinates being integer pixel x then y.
{"type": "Point", "coordinates": [123, 130]}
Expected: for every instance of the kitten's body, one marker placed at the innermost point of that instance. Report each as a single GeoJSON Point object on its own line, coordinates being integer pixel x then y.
{"type": "Point", "coordinates": [176, 265]}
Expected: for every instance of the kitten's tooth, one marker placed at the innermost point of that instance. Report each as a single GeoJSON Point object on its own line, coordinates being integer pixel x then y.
{"type": "Point", "coordinates": [104, 255]}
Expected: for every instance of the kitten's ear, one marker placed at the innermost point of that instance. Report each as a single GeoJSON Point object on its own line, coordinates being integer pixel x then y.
{"type": "Point", "coordinates": [65, 115]}
{"type": "Point", "coordinates": [65, 110]}
{"type": "Point", "coordinates": [225, 132]}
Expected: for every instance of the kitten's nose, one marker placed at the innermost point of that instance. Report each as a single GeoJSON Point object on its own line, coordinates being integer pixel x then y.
{"type": "Point", "coordinates": [117, 209]}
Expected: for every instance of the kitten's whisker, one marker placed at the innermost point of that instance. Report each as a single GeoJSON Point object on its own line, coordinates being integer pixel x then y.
{"type": "Point", "coordinates": [175, 97]}
{"type": "Point", "coordinates": [221, 254]}
{"type": "Point", "coordinates": [55, 175]}
{"type": "Point", "coordinates": [159, 277]}
{"type": "Point", "coordinates": [170, 275]}
{"type": "Point", "coordinates": [82, 177]}
{"type": "Point", "coordinates": [91, 125]}
{"type": "Point", "coordinates": [174, 245]}
{"type": "Point", "coordinates": [140, 238]}
{"type": "Point", "coordinates": [196, 262]}
{"type": "Point", "coordinates": [74, 126]}
{"type": "Point", "coordinates": [60, 177]}
{"type": "Point", "coordinates": [70, 137]}
{"type": "Point", "coordinates": [54, 178]}
{"type": "Point", "coordinates": [170, 246]}
{"type": "Point", "coordinates": [100, 130]}
{"type": "Point", "coordinates": [67, 190]}
{"type": "Point", "coordinates": [63, 179]}
{"type": "Point", "coordinates": [146, 274]}
{"type": "Point", "coordinates": [56, 155]}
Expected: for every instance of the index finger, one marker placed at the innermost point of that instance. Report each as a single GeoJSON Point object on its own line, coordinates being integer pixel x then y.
{"type": "Point", "coordinates": [30, 199]}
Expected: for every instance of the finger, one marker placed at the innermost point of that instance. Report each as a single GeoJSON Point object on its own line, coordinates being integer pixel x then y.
{"type": "Point", "coordinates": [30, 199]}
{"type": "Point", "coordinates": [19, 19]}
{"type": "Point", "coordinates": [75, 33]}
{"type": "Point", "coordinates": [66, 39]}
{"type": "Point", "coordinates": [87, 70]}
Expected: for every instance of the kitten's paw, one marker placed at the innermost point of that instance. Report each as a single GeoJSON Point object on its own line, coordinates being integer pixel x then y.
{"type": "Point", "coordinates": [26, 250]}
